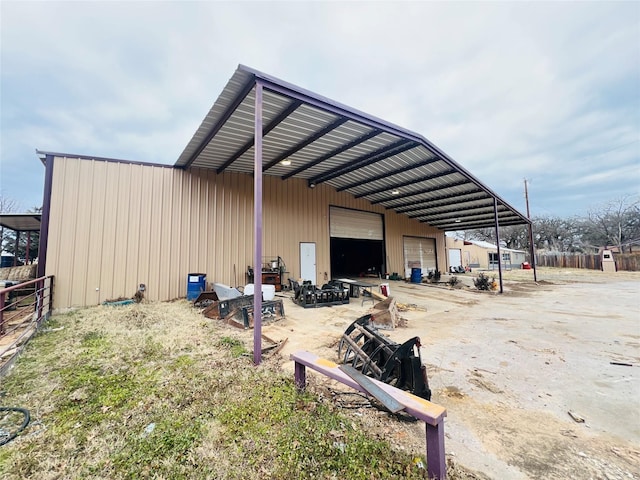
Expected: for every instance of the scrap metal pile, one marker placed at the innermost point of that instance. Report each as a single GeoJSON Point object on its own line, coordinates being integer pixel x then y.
{"type": "Point", "coordinates": [234, 308]}
{"type": "Point", "coordinates": [377, 356]}
{"type": "Point", "coordinates": [310, 296]}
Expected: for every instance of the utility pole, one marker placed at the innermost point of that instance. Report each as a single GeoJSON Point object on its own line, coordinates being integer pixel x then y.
{"type": "Point", "coordinates": [533, 252]}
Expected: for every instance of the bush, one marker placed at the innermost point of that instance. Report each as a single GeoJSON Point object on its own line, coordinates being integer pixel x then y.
{"type": "Point", "coordinates": [453, 281]}
{"type": "Point", "coordinates": [483, 282]}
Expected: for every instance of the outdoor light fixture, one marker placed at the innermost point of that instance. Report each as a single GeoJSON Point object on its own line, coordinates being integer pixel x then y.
{"type": "Point", "coordinates": [286, 162]}
{"type": "Point", "coordinates": [395, 192]}
{"type": "Point", "coordinates": [458, 220]}
{"type": "Point", "coordinates": [312, 184]}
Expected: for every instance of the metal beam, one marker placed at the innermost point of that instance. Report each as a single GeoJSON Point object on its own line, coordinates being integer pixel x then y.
{"type": "Point", "coordinates": [495, 210]}
{"type": "Point", "coordinates": [368, 159]}
{"type": "Point", "coordinates": [257, 228]}
{"type": "Point", "coordinates": [426, 190]}
{"type": "Point", "coordinates": [296, 148]}
{"type": "Point", "coordinates": [46, 214]}
{"type": "Point", "coordinates": [216, 128]}
{"type": "Point", "coordinates": [373, 133]}
{"type": "Point", "coordinates": [387, 174]}
{"type": "Point", "coordinates": [435, 202]}
{"type": "Point", "coordinates": [460, 213]}
{"type": "Point", "coordinates": [466, 219]}
{"type": "Point", "coordinates": [461, 208]}
{"type": "Point", "coordinates": [406, 183]}
{"type": "Point", "coordinates": [272, 124]}
{"type": "Point", "coordinates": [475, 226]}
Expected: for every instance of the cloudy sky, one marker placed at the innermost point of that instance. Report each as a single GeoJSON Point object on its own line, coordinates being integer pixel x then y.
{"type": "Point", "coordinates": [549, 92]}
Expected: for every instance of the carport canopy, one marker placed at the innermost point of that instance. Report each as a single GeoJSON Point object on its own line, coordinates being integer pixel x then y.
{"type": "Point", "coordinates": [319, 140]}
{"type": "Point", "coordinates": [21, 222]}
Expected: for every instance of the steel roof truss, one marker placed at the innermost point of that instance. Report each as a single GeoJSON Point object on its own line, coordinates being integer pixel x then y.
{"type": "Point", "coordinates": [426, 190]}
{"type": "Point", "coordinates": [273, 124]}
{"type": "Point", "coordinates": [387, 174]}
{"type": "Point", "coordinates": [405, 184]}
{"type": "Point", "coordinates": [308, 141]}
{"type": "Point", "coordinates": [333, 153]}
{"type": "Point", "coordinates": [220, 123]}
{"type": "Point", "coordinates": [467, 220]}
{"type": "Point", "coordinates": [460, 208]}
{"type": "Point", "coordinates": [383, 153]}
{"type": "Point", "coordinates": [453, 199]}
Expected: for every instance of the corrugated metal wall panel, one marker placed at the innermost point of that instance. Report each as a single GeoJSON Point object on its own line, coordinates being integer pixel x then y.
{"type": "Point", "coordinates": [116, 225]}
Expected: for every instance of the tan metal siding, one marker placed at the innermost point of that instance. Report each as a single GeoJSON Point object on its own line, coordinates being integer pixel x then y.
{"type": "Point", "coordinates": [116, 225]}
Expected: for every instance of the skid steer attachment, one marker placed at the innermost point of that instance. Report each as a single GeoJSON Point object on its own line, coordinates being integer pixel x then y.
{"type": "Point", "coordinates": [377, 356]}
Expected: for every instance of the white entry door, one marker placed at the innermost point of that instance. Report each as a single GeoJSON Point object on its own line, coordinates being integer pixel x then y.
{"type": "Point", "coordinates": [308, 261]}
{"type": "Point", "coordinates": [455, 257]}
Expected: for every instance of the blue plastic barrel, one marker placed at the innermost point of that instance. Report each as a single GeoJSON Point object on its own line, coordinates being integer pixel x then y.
{"type": "Point", "coordinates": [416, 275]}
{"type": "Point", "coordinates": [6, 261]}
{"type": "Point", "coordinates": [196, 283]}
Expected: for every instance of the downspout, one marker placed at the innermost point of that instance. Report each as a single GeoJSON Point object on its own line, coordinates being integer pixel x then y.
{"type": "Point", "coordinates": [257, 229]}
{"type": "Point", "coordinates": [495, 213]}
{"type": "Point", "coordinates": [46, 212]}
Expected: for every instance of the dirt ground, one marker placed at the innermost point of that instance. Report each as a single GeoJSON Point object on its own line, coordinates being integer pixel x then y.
{"type": "Point", "coordinates": [510, 367]}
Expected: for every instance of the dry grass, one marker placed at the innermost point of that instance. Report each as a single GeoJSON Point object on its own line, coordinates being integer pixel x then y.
{"type": "Point", "coordinates": [159, 391]}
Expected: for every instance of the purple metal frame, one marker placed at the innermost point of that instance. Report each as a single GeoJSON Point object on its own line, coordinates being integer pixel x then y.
{"type": "Point", "coordinates": [101, 159]}
{"type": "Point", "coordinates": [273, 124]}
{"type": "Point", "coordinates": [284, 88]}
{"type": "Point", "coordinates": [257, 230]}
{"type": "Point", "coordinates": [230, 109]}
{"type": "Point", "coordinates": [46, 213]}
{"type": "Point", "coordinates": [368, 136]}
{"type": "Point", "coordinates": [532, 245]}
{"type": "Point", "coordinates": [416, 205]}
{"type": "Point", "coordinates": [432, 414]}
{"type": "Point", "coordinates": [495, 211]}
{"type": "Point", "coordinates": [406, 183]}
{"type": "Point", "coordinates": [382, 176]}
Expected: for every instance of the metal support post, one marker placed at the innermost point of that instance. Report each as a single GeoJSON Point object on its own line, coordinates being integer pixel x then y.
{"type": "Point", "coordinates": [495, 212]}
{"type": "Point", "coordinates": [300, 376]}
{"type": "Point", "coordinates": [436, 462]}
{"type": "Point", "coordinates": [257, 231]}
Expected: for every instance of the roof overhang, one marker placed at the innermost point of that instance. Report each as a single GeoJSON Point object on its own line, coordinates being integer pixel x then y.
{"type": "Point", "coordinates": [21, 222]}
{"type": "Point", "coordinates": [327, 142]}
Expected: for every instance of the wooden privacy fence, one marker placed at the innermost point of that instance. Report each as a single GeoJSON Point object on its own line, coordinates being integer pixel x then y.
{"type": "Point", "coordinates": [629, 262]}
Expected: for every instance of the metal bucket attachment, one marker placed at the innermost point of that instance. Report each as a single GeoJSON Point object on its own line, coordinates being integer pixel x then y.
{"type": "Point", "coordinates": [377, 356]}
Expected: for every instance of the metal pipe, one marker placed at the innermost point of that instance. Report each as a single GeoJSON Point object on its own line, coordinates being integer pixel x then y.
{"type": "Point", "coordinates": [2, 305]}
{"type": "Point", "coordinates": [257, 230]}
{"type": "Point", "coordinates": [495, 212]}
{"type": "Point", "coordinates": [26, 255]}
{"type": "Point", "coordinates": [46, 213]}
{"type": "Point", "coordinates": [16, 250]}
{"type": "Point", "coordinates": [531, 245]}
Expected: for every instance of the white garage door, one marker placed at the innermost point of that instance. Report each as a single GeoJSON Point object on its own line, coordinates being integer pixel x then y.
{"type": "Point", "coordinates": [346, 223]}
{"type": "Point", "coordinates": [419, 253]}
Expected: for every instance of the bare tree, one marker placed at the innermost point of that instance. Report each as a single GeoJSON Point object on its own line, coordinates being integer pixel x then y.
{"type": "Point", "coordinates": [8, 205]}
{"type": "Point", "coordinates": [557, 234]}
{"type": "Point", "coordinates": [616, 223]}
{"type": "Point", "coordinates": [513, 236]}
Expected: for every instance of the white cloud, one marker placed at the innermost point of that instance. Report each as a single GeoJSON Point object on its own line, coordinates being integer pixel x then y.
{"type": "Point", "coordinates": [510, 90]}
